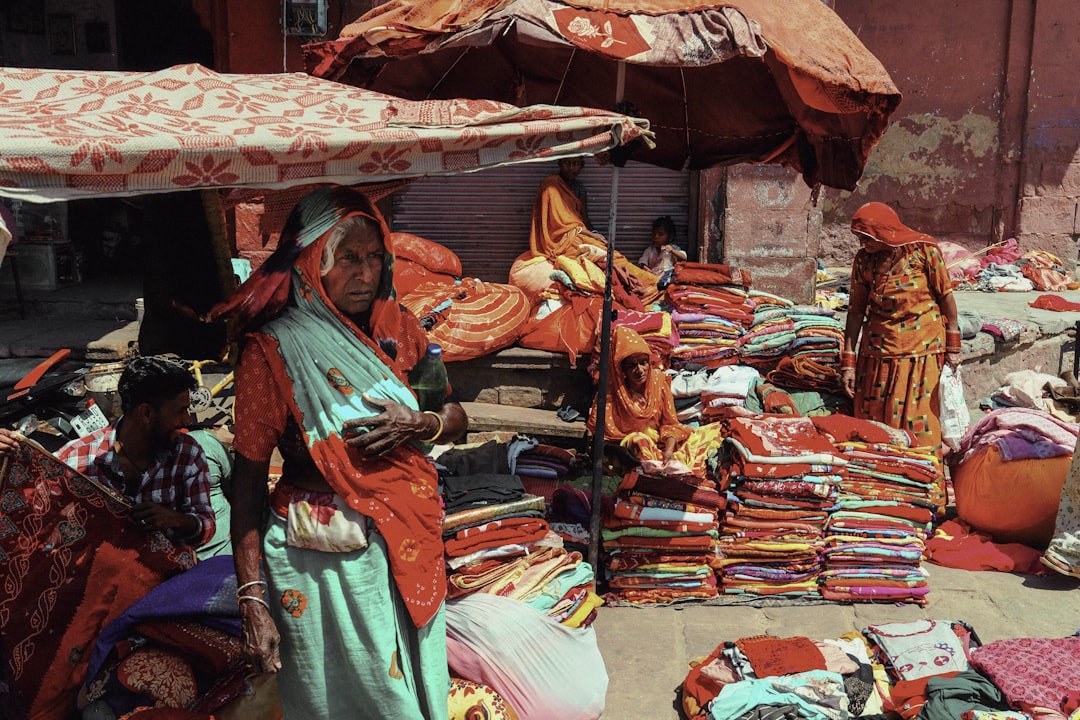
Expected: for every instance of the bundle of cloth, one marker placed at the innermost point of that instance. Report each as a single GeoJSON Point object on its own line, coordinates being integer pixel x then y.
{"type": "Point", "coordinates": [1009, 471]}
{"type": "Point", "coordinates": [927, 670]}
{"type": "Point", "coordinates": [711, 308]}
{"type": "Point", "coordinates": [654, 326]}
{"type": "Point", "coordinates": [798, 346]}
{"type": "Point", "coordinates": [783, 484]}
{"type": "Point", "coordinates": [542, 468]}
{"type": "Point", "coordinates": [875, 539]}
{"type": "Point", "coordinates": [660, 539]}
{"type": "Point", "coordinates": [697, 389]}
{"type": "Point", "coordinates": [774, 677]}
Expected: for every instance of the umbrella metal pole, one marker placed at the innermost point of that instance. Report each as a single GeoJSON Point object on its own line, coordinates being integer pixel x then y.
{"type": "Point", "coordinates": [601, 385]}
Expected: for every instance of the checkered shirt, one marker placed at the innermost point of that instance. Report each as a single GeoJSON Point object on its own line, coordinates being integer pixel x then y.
{"type": "Point", "coordinates": [178, 478]}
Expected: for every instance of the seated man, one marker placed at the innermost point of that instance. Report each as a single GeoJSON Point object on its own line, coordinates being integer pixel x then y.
{"type": "Point", "coordinates": [145, 456]}
{"type": "Point", "coordinates": [560, 227]}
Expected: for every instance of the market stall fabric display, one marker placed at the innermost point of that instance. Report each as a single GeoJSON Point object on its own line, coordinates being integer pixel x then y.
{"type": "Point", "coordinates": [926, 669]}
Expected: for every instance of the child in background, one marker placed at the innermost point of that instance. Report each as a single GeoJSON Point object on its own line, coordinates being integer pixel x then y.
{"type": "Point", "coordinates": [663, 253]}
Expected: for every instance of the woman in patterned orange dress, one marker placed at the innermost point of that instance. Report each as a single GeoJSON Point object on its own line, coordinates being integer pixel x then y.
{"type": "Point", "coordinates": [902, 318]}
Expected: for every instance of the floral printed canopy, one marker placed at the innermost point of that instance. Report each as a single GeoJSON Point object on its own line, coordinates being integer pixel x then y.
{"type": "Point", "coordinates": [75, 134]}
{"type": "Point", "coordinates": [775, 81]}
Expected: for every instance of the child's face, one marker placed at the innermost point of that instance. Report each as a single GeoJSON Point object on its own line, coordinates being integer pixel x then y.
{"type": "Point", "coordinates": [660, 237]}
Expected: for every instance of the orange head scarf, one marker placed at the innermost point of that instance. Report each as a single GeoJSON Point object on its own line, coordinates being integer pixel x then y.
{"type": "Point", "coordinates": [880, 222]}
{"type": "Point", "coordinates": [624, 414]}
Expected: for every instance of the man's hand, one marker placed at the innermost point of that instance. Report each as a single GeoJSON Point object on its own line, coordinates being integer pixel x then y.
{"type": "Point", "coordinates": [152, 516]}
{"type": "Point", "coordinates": [8, 442]}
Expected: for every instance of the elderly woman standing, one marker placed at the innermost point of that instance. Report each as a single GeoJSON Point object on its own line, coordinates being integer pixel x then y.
{"type": "Point", "coordinates": [902, 307]}
{"type": "Point", "coordinates": [352, 551]}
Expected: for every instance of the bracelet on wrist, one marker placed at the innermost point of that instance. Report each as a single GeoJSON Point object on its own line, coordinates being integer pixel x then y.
{"type": "Point", "coordinates": [439, 431]}
{"type": "Point", "coordinates": [240, 600]}
{"type": "Point", "coordinates": [253, 583]}
{"type": "Point", "coordinates": [952, 350]}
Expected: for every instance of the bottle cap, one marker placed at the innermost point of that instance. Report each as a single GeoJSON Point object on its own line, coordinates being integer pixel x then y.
{"type": "Point", "coordinates": [434, 350]}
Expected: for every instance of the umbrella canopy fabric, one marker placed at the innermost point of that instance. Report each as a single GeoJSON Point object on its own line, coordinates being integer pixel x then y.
{"type": "Point", "coordinates": [77, 134]}
{"type": "Point", "coordinates": [742, 81]}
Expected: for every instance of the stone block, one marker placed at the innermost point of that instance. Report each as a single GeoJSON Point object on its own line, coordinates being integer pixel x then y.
{"type": "Point", "coordinates": [754, 188]}
{"type": "Point", "coordinates": [765, 234]}
{"type": "Point", "coordinates": [1061, 245]}
{"type": "Point", "coordinates": [791, 278]}
{"type": "Point", "coordinates": [1047, 215]}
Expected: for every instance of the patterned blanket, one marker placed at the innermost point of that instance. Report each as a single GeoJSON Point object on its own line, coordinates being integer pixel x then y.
{"type": "Point", "coordinates": [70, 561]}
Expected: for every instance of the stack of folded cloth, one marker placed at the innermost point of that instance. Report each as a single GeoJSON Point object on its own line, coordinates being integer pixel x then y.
{"type": "Point", "coordinates": [711, 309]}
{"type": "Point", "coordinates": [660, 541]}
{"type": "Point", "coordinates": [489, 520]}
{"type": "Point", "coordinates": [875, 539]}
{"type": "Point", "coordinates": [798, 344]}
{"type": "Point", "coordinates": [784, 482]}
{"type": "Point", "coordinates": [699, 391]}
{"type": "Point", "coordinates": [543, 468]}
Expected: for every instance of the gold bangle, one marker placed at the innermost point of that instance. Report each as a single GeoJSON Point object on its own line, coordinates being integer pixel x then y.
{"type": "Point", "coordinates": [438, 432]}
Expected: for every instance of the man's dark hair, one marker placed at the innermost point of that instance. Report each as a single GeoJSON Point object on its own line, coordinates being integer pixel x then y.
{"type": "Point", "coordinates": [152, 380]}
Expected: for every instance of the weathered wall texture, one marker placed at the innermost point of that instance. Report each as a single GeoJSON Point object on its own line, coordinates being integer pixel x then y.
{"type": "Point", "coordinates": [984, 145]}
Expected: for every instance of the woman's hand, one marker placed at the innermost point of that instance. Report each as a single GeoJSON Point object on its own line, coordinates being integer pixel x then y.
{"type": "Point", "coordinates": [394, 425]}
{"type": "Point", "coordinates": [953, 360]}
{"type": "Point", "coordinates": [262, 643]}
{"type": "Point", "coordinates": [847, 381]}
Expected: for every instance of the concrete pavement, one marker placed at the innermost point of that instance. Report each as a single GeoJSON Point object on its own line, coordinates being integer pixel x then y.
{"type": "Point", "coordinates": [647, 650]}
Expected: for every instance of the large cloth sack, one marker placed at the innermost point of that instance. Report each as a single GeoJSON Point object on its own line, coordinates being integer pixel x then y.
{"type": "Point", "coordinates": [409, 275]}
{"type": "Point", "coordinates": [531, 274]}
{"type": "Point", "coordinates": [544, 669]}
{"type": "Point", "coordinates": [435, 257]}
{"type": "Point", "coordinates": [1012, 501]}
{"type": "Point", "coordinates": [470, 319]}
{"type": "Point", "coordinates": [570, 329]}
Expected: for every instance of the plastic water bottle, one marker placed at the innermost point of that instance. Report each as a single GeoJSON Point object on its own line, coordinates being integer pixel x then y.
{"type": "Point", "coordinates": [428, 379]}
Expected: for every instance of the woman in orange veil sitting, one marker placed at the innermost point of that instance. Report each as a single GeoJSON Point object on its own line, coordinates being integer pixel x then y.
{"type": "Point", "coordinates": [640, 408]}
{"type": "Point", "coordinates": [560, 227]}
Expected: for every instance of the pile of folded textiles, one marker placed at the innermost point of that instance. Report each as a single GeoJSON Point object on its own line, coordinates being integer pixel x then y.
{"type": "Point", "coordinates": [875, 539]}
{"type": "Point", "coordinates": [783, 480]}
{"type": "Point", "coordinates": [697, 389]}
{"type": "Point", "coordinates": [797, 345]}
{"type": "Point", "coordinates": [498, 542]}
{"type": "Point", "coordinates": [660, 539]}
{"type": "Point", "coordinates": [925, 669]}
{"type": "Point", "coordinates": [542, 468]}
{"type": "Point", "coordinates": [710, 307]}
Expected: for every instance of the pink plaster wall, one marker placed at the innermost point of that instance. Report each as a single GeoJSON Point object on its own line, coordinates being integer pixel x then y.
{"type": "Point", "coordinates": [984, 144]}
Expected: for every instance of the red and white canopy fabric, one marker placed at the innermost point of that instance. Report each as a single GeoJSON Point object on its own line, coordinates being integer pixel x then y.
{"type": "Point", "coordinates": [68, 134]}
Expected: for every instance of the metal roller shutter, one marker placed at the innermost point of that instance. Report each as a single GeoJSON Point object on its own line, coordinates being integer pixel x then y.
{"type": "Point", "coordinates": [484, 216]}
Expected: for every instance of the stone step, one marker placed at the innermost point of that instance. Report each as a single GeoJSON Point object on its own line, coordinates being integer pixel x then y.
{"type": "Point", "coordinates": [489, 419]}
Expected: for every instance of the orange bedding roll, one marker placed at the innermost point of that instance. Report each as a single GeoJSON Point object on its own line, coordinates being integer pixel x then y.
{"type": "Point", "coordinates": [1013, 501]}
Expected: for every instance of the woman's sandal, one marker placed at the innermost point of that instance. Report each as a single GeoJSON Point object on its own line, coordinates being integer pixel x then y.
{"type": "Point", "coordinates": [1060, 566]}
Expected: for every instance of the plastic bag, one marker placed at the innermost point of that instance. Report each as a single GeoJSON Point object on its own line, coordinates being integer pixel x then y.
{"type": "Point", "coordinates": [955, 417]}
{"type": "Point", "coordinates": [542, 668]}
